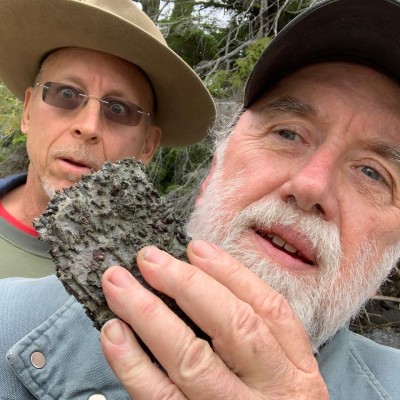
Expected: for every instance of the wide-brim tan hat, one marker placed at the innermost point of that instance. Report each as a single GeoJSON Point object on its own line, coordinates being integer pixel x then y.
{"type": "Point", "coordinates": [30, 29]}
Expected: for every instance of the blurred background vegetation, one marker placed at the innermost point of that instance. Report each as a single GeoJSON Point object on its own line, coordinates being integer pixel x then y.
{"type": "Point", "coordinates": [221, 40]}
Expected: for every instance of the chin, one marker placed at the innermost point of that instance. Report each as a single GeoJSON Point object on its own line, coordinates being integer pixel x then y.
{"type": "Point", "coordinates": [50, 187]}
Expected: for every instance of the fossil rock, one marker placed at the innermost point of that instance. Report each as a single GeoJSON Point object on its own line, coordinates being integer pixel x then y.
{"type": "Point", "coordinates": [102, 221]}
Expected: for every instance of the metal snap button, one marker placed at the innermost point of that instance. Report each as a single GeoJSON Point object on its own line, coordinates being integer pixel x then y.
{"type": "Point", "coordinates": [38, 360]}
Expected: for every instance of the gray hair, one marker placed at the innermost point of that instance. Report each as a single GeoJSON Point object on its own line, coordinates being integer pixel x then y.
{"type": "Point", "coordinates": [228, 114]}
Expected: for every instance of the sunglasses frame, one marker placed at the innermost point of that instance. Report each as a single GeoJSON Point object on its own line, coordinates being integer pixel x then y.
{"type": "Point", "coordinates": [135, 111]}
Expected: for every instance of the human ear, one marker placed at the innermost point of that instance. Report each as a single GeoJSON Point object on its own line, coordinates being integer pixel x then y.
{"type": "Point", "coordinates": [150, 144]}
{"type": "Point", "coordinates": [26, 112]}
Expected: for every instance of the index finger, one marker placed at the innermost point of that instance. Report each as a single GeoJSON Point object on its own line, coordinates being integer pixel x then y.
{"type": "Point", "coordinates": [269, 304]}
{"type": "Point", "coordinates": [231, 322]}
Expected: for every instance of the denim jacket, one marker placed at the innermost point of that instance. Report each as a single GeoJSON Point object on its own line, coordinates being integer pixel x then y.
{"type": "Point", "coordinates": [50, 350]}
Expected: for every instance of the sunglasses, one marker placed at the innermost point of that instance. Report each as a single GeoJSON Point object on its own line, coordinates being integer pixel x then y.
{"type": "Point", "coordinates": [70, 98]}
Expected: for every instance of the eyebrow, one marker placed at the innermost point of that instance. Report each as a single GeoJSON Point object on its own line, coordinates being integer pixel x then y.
{"type": "Point", "coordinates": [291, 105]}
{"type": "Point", "coordinates": [76, 80]}
{"type": "Point", "coordinates": [385, 150]}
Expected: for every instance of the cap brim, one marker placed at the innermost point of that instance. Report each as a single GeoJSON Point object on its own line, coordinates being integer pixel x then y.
{"type": "Point", "coordinates": [30, 29]}
{"type": "Point", "coordinates": [361, 31]}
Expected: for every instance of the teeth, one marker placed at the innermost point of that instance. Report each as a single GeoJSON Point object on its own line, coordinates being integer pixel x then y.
{"type": "Point", "coordinates": [278, 241]}
{"type": "Point", "coordinates": [281, 243]}
{"type": "Point", "coordinates": [290, 248]}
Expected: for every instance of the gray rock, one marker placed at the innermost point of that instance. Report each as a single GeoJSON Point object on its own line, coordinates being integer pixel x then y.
{"type": "Point", "coordinates": [388, 337]}
{"type": "Point", "coordinates": [104, 220]}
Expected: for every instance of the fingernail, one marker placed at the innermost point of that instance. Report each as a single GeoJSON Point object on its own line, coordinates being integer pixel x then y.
{"type": "Point", "coordinates": [120, 277]}
{"type": "Point", "coordinates": [154, 255]}
{"type": "Point", "coordinates": [203, 249]}
{"type": "Point", "coordinates": [114, 331]}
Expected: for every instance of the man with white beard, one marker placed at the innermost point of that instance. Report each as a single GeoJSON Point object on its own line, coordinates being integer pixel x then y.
{"type": "Point", "coordinates": [297, 224]}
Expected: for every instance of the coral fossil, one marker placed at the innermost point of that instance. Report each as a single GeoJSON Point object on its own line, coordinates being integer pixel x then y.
{"type": "Point", "coordinates": [102, 221]}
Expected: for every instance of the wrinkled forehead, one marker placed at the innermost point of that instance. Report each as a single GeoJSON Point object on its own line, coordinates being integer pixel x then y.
{"type": "Point", "coordinates": [332, 97]}
{"type": "Point", "coordinates": [322, 80]}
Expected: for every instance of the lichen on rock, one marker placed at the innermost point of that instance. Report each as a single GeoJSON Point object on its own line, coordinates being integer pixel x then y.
{"type": "Point", "coordinates": [104, 220]}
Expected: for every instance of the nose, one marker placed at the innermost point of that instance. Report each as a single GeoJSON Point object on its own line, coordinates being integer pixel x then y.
{"type": "Point", "coordinates": [312, 184]}
{"type": "Point", "coordinates": [87, 120]}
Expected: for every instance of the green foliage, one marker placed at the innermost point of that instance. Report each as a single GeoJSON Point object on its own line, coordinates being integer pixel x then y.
{"type": "Point", "coordinates": [194, 45]}
{"type": "Point", "coordinates": [293, 8]}
{"type": "Point", "coordinates": [193, 38]}
{"type": "Point", "coordinates": [219, 83]}
{"type": "Point", "coordinates": [173, 167]}
{"type": "Point", "coordinates": [245, 64]}
{"type": "Point", "coordinates": [11, 137]}
{"type": "Point", "coordinates": [177, 174]}
{"type": "Point", "coordinates": [10, 113]}
{"type": "Point", "coordinates": [223, 84]}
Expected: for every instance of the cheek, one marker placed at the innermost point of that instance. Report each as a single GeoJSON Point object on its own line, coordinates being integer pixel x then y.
{"type": "Point", "coordinates": [247, 186]}
{"type": "Point", "coordinates": [38, 141]}
{"type": "Point", "coordinates": [379, 228]}
{"type": "Point", "coordinates": [260, 174]}
{"type": "Point", "coordinates": [43, 132]}
{"type": "Point", "coordinates": [119, 148]}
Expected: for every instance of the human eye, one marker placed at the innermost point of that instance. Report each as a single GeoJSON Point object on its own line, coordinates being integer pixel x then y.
{"type": "Point", "coordinates": [68, 92]}
{"type": "Point", "coordinates": [372, 173]}
{"type": "Point", "coordinates": [118, 108]}
{"type": "Point", "coordinates": [288, 134]}
{"type": "Point", "coordinates": [288, 137]}
{"type": "Point", "coordinates": [375, 180]}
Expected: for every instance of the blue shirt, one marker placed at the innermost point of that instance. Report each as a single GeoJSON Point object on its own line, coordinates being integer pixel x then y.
{"type": "Point", "coordinates": [37, 315]}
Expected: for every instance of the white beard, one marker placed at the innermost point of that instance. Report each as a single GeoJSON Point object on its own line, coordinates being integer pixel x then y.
{"type": "Point", "coordinates": [325, 302]}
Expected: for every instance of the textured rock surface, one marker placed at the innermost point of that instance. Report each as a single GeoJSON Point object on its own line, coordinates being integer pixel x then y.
{"type": "Point", "coordinates": [102, 221]}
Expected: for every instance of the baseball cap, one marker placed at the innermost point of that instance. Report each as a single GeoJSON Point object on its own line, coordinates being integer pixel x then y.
{"type": "Point", "coordinates": [360, 31]}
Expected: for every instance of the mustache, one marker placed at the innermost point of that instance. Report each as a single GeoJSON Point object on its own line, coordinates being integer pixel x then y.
{"type": "Point", "coordinates": [322, 235]}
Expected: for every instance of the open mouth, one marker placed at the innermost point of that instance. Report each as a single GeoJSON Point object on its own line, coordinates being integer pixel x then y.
{"type": "Point", "coordinates": [76, 163]}
{"type": "Point", "coordinates": [280, 244]}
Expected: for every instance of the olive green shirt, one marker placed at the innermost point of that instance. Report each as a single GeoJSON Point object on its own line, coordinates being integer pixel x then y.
{"type": "Point", "coordinates": [22, 255]}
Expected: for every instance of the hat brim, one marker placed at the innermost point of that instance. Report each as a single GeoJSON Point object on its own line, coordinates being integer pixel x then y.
{"type": "Point", "coordinates": [30, 29]}
{"type": "Point", "coordinates": [360, 31]}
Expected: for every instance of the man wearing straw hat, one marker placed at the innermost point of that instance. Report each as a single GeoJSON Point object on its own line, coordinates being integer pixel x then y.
{"type": "Point", "coordinates": [99, 83]}
{"type": "Point", "coordinates": [302, 209]}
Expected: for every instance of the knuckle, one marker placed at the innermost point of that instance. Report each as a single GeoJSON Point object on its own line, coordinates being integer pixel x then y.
{"type": "Point", "coordinates": [132, 370]}
{"type": "Point", "coordinates": [169, 392]}
{"type": "Point", "coordinates": [273, 306]}
{"type": "Point", "coordinates": [245, 321]}
{"type": "Point", "coordinates": [197, 360]}
{"type": "Point", "coordinates": [148, 307]}
{"type": "Point", "coordinates": [190, 277]}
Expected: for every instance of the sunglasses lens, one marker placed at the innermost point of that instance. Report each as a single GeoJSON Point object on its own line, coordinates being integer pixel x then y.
{"type": "Point", "coordinates": [69, 98]}
{"type": "Point", "coordinates": [62, 96]}
{"type": "Point", "coordinates": [122, 112]}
